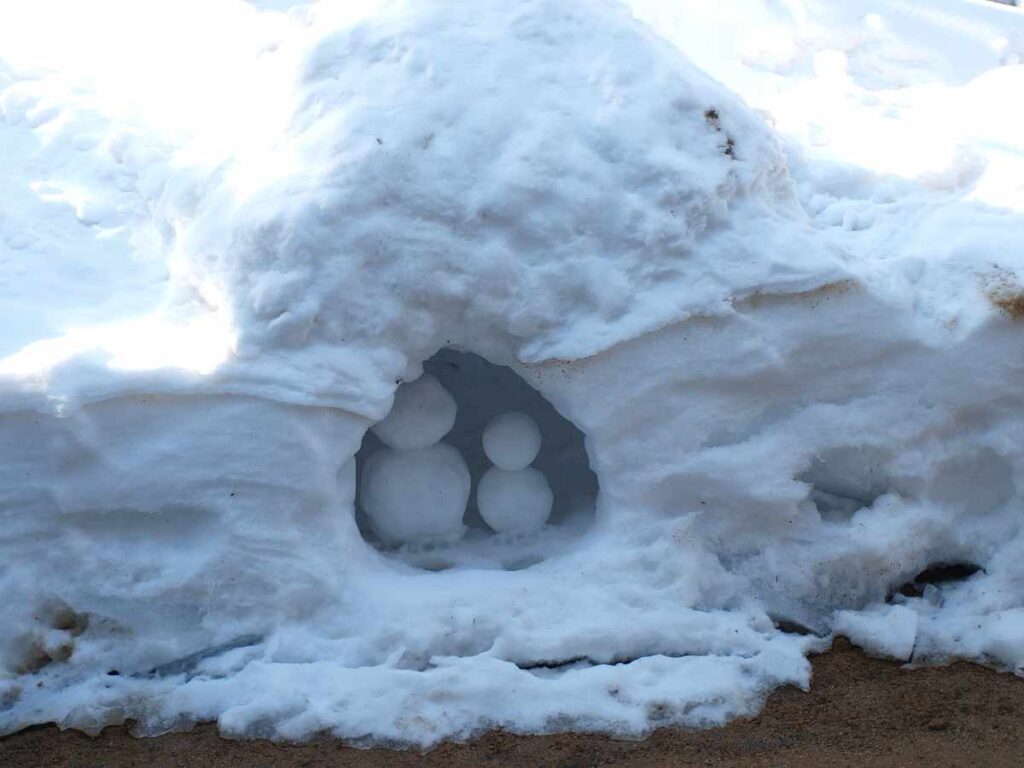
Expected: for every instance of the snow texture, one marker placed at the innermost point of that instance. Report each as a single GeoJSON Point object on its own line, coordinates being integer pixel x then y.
{"type": "Point", "coordinates": [765, 256]}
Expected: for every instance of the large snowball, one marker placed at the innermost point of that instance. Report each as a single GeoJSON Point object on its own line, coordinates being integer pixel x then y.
{"type": "Point", "coordinates": [423, 413]}
{"type": "Point", "coordinates": [512, 440]}
{"type": "Point", "coordinates": [416, 495]}
{"type": "Point", "coordinates": [516, 501]}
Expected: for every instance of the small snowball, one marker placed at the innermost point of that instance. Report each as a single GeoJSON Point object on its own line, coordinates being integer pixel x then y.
{"type": "Point", "coordinates": [512, 440]}
{"type": "Point", "coordinates": [514, 501]}
{"type": "Point", "coordinates": [422, 414]}
{"type": "Point", "coordinates": [416, 495]}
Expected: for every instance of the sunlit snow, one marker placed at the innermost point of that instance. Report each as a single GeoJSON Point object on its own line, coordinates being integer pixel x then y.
{"type": "Point", "coordinates": [403, 369]}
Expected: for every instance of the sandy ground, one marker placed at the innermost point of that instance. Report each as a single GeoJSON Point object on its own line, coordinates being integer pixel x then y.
{"type": "Point", "coordinates": [860, 712]}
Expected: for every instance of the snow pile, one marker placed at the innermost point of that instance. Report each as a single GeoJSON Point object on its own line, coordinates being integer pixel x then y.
{"type": "Point", "coordinates": [793, 353]}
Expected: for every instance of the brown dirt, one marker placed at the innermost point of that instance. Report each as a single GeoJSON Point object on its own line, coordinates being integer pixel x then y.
{"type": "Point", "coordinates": [860, 712]}
{"type": "Point", "coordinates": [1006, 293]}
{"type": "Point", "coordinates": [1013, 305]}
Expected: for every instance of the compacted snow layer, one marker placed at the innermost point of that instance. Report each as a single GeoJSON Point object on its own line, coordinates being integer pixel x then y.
{"type": "Point", "coordinates": [794, 363]}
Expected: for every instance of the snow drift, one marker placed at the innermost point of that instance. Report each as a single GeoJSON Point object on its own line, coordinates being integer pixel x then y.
{"type": "Point", "coordinates": [215, 288]}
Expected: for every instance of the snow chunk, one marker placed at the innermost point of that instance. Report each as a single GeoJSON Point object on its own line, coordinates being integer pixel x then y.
{"type": "Point", "coordinates": [888, 631]}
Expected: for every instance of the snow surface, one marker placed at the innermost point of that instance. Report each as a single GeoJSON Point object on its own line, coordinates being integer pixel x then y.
{"type": "Point", "coordinates": [766, 256]}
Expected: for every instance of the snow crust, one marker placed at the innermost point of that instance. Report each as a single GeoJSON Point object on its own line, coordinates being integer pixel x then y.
{"type": "Point", "coordinates": [783, 305]}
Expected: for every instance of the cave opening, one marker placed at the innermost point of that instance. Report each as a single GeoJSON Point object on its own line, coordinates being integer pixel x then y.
{"type": "Point", "coordinates": [473, 467]}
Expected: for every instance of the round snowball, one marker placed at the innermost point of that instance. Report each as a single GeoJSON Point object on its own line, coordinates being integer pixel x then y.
{"type": "Point", "coordinates": [514, 501]}
{"type": "Point", "coordinates": [416, 495]}
{"type": "Point", "coordinates": [423, 413]}
{"type": "Point", "coordinates": [512, 440]}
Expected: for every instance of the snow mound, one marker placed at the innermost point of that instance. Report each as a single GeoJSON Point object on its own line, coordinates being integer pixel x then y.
{"type": "Point", "coordinates": [798, 389]}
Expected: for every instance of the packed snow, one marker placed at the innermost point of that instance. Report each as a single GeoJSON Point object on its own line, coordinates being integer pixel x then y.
{"type": "Point", "coordinates": [513, 497]}
{"type": "Point", "coordinates": [416, 494]}
{"type": "Point", "coordinates": [514, 500]}
{"type": "Point", "coordinates": [423, 413]}
{"type": "Point", "coordinates": [416, 488]}
{"type": "Point", "coordinates": [759, 265]}
{"type": "Point", "coordinates": [512, 440]}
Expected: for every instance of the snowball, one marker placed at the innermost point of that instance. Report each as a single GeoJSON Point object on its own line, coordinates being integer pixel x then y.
{"type": "Point", "coordinates": [888, 631]}
{"type": "Point", "coordinates": [416, 495]}
{"type": "Point", "coordinates": [516, 501]}
{"type": "Point", "coordinates": [422, 414]}
{"type": "Point", "coordinates": [512, 440]}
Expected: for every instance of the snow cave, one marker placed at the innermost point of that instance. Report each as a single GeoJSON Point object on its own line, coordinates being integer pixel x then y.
{"type": "Point", "coordinates": [482, 415]}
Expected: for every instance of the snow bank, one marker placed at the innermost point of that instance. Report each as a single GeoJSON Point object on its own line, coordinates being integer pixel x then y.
{"type": "Point", "coordinates": [230, 233]}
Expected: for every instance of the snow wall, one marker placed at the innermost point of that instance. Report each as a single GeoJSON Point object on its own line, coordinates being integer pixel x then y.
{"type": "Point", "coordinates": [207, 314]}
